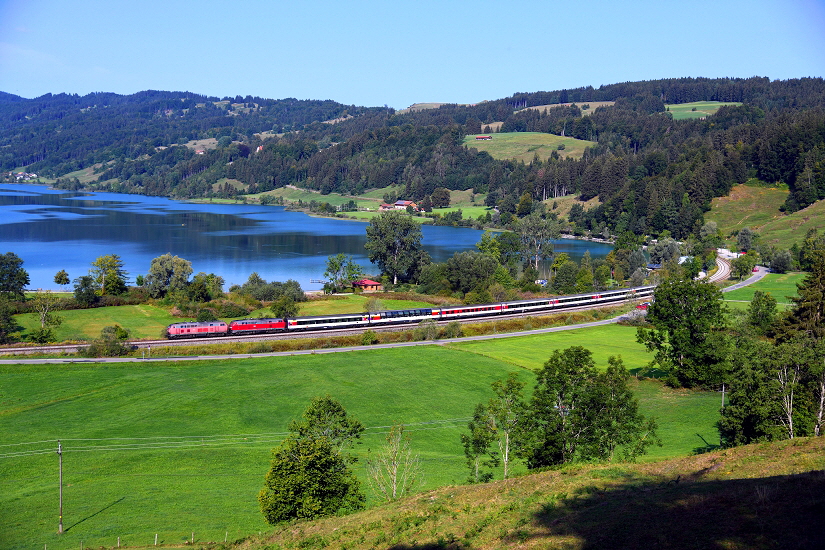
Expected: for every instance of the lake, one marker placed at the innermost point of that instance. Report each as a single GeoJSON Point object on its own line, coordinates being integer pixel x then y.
{"type": "Point", "coordinates": [51, 229]}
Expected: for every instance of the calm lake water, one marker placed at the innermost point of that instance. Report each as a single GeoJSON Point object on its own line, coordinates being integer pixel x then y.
{"type": "Point", "coordinates": [52, 230]}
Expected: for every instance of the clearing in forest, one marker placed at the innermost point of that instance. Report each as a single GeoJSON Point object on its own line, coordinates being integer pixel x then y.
{"type": "Point", "coordinates": [526, 145]}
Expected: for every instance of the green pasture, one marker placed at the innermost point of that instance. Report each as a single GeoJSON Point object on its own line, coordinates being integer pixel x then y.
{"type": "Point", "coordinates": [143, 321]}
{"type": "Point", "coordinates": [467, 212]}
{"type": "Point", "coordinates": [194, 437]}
{"type": "Point", "coordinates": [335, 199]}
{"type": "Point", "coordinates": [779, 285]}
{"type": "Point", "coordinates": [696, 109]}
{"type": "Point", "coordinates": [754, 205]}
{"type": "Point", "coordinates": [783, 231]}
{"type": "Point", "coordinates": [166, 472]}
{"type": "Point", "coordinates": [349, 303]}
{"type": "Point", "coordinates": [757, 205]}
{"type": "Point", "coordinates": [526, 145]}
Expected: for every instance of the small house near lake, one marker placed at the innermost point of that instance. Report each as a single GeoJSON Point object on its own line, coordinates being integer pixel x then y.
{"type": "Point", "coordinates": [367, 285]}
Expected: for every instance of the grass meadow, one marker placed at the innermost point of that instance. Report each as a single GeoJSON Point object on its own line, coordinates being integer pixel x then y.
{"type": "Point", "coordinates": [179, 448]}
{"type": "Point", "coordinates": [696, 109]}
{"type": "Point", "coordinates": [525, 145]}
{"type": "Point", "coordinates": [182, 447]}
{"type": "Point", "coordinates": [779, 285]}
{"type": "Point", "coordinates": [757, 206]}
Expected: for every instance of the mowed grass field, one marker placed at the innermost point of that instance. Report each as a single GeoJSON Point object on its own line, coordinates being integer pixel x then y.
{"type": "Point", "coordinates": [779, 285]}
{"type": "Point", "coordinates": [176, 448]}
{"type": "Point", "coordinates": [525, 145]}
{"type": "Point", "coordinates": [696, 109]}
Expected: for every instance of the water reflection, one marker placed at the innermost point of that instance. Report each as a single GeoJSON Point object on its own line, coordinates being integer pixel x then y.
{"type": "Point", "coordinates": [53, 230]}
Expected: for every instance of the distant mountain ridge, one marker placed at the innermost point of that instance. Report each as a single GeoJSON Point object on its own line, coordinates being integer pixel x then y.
{"type": "Point", "coordinates": [649, 171]}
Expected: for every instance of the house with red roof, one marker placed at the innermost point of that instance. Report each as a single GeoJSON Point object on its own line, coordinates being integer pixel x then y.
{"type": "Point", "coordinates": [367, 285]}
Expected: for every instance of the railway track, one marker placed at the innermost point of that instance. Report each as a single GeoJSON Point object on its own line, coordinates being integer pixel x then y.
{"type": "Point", "coordinates": [149, 345]}
{"type": "Point", "coordinates": [721, 274]}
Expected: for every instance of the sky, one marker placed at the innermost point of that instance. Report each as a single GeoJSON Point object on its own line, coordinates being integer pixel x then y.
{"type": "Point", "coordinates": [376, 53]}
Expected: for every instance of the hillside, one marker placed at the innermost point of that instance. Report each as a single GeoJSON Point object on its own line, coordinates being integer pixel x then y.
{"type": "Point", "coordinates": [758, 208]}
{"type": "Point", "coordinates": [651, 169]}
{"type": "Point", "coordinates": [756, 496]}
{"type": "Point", "coordinates": [524, 146]}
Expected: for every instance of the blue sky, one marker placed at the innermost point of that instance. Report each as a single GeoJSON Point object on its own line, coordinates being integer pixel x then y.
{"type": "Point", "coordinates": [396, 53]}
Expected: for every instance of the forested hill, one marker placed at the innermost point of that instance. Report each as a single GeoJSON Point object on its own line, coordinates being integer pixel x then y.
{"type": "Point", "coordinates": [649, 171]}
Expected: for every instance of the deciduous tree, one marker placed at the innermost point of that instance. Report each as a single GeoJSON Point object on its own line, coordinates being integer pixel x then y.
{"type": "Point", "coordinates": [341, 269]}
{"type": "Point", "coordinates": [395, 470]}
{"type": "Point", "coordinates": [167, 273]}
{"type": "Point", "coordinates": [308, 479]}
{"type": "Point", "coordinates": [108, 275]}
{"type": "Point", "coordinates": [577, 413]}
{"type": "Point", "coordinates": [310, 475]}
{"type": "Point", "coordinates": [536, 235]}
{"type": "Point", "coordinates": [477, 446]}
{"type": "Point", "coordinates": [44, 303]}
{"type": "Point", "coordinates": [686, 338]}
{"type": "Point", "coordinates": [13, 278]}
{"type": "Point", "coordinates": [394, 244]}
{"type": "Point", "coordinates": [61, 278]}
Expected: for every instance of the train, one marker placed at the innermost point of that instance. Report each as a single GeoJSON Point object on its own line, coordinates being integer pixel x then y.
{"type": "Point", "coordinates": [198, 329]}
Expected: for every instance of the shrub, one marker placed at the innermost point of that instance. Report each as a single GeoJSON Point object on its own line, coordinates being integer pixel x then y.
{"type": "Point", "coordinates": [110, 344]}
{"type": "Point", "coordinates": [206, 314]}
{"type": "Point", "coordinates": [228, 308]}
{"type": "Point", "coordinates": [454, 329]}
{"type": "Point", "coordinates": [426, 330]}
{"type": "Point", "coordinates": [368, 338]}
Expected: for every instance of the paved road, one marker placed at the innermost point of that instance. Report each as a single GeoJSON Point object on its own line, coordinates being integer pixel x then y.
{"type": "Point", "coordinates": [724, 268]}
{"type": "Point", "coordinates": [757, 275]}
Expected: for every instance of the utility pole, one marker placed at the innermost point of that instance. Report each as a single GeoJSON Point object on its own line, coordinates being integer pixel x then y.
{"type": "Point", "coordinates": [60, 460]}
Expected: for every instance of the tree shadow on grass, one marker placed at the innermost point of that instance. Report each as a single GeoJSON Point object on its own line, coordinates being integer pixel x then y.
{"type": "Point", "coordinates": [90, 516]}
{"type": "Point", "coordinates": [707, 447]}
{"type": "Point", "coordinates": [774, 512]}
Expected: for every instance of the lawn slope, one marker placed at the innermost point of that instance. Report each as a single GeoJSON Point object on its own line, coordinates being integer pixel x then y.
{"type": "Point", "coordinates": [757, 496]}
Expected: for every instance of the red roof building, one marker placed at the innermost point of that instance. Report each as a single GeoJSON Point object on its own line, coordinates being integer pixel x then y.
{"type": "Point", "coordinates": [367, 285]}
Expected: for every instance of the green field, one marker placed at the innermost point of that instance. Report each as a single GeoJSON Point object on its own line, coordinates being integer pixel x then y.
{"type": "Point", "coordinates": [290, 194]}
{"type": "Point", "coordinates": [780, 286]}
{"type": "Point", "coordinates": [144, 321]}
{"type": "Point", "coordinates": [226, 415]}
{"type": "Point", "coordinates": [177, 448]}
{"type": "Point", "coordinates": [696, 109]}
{"type": "Point", "coordinates": [526, 145]}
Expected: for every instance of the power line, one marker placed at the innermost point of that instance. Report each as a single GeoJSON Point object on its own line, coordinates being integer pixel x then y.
{"type": "Point", "coordinates": [195, 441]}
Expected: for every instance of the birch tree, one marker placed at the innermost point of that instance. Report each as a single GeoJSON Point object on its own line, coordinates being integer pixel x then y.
{"type": "Point", "coordinates": [395, 471]}
{"type": "Point", "coordinates": [505, 416]}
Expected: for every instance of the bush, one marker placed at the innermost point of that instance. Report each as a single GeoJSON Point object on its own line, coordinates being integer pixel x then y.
{"type": "Point", "coordinates": [454, 329]}
{"type": "Point", "coordinates": [227, 308]}
{"type": "Point", "coordinates": [426, 330]}
{"type": "Point", "coordinates": [110, 344]}
{"type": "Point", "coordinates": [206, 314]}
{"type": "Point", "coordinates": [368, 338]}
